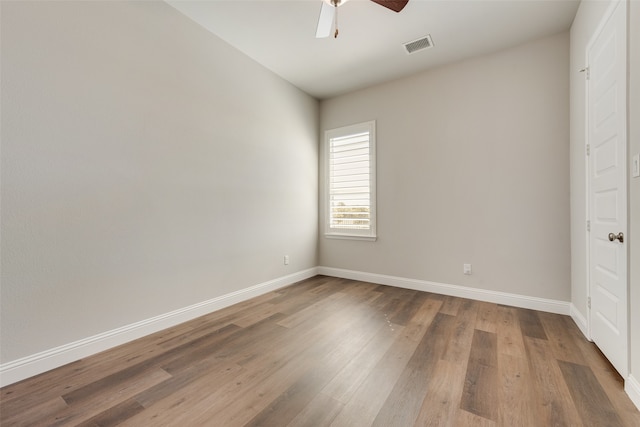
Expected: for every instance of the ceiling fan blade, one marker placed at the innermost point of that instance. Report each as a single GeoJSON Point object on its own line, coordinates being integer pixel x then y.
{"type": "Point", "coordinates": [395, 5]}
{"type": "Point", "coordinates": [325, 21]}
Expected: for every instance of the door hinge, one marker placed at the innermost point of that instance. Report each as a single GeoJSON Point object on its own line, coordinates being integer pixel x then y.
{"type": "Point", "coordinates": [588, 225]}
{"type": "Point", "coordinates": [589, 302]}
{"type": "Point", "coordinates": [588, 149]}
{"type": "Point", "coordinates": [587, 72]}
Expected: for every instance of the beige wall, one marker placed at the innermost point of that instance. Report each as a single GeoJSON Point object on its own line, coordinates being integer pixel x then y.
{"type": "Point", "coordinates": [146, 166]}
{"type": "Point", "coordinates": [472, 168]}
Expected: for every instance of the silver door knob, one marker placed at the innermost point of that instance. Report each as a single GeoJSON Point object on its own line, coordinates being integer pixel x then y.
{"type": "Point", "coordinates": [618, 236]}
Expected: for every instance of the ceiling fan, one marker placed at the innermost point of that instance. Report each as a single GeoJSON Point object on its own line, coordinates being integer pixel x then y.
{"type": "Point", "coordinates": [329, 14]}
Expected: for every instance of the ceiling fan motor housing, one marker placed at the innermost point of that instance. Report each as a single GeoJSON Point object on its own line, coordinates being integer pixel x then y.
{"type": "Point", "coordinates": [335, 3]}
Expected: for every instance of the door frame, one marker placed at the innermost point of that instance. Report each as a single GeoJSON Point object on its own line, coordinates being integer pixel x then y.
{"type": "Point", "coordinates": [597, 32]}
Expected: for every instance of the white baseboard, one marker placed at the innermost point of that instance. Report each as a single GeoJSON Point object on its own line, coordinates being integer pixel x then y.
{"type": "Point", "coordinates": [522, 301]}
{"type": "Point", "coordinates": [35, 364]}
{"type": "Point", "coordinates": [580, 321]}
{"type": "Point", "coordinates": [632, 388]}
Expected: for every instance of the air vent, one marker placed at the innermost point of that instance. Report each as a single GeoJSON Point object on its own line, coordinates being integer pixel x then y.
{"type": "Point", "coordinates": [420, 44]}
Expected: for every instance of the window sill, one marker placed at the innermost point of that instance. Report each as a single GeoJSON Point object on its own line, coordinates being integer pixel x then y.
{"type": "Point", "coordinates": [350, 237]}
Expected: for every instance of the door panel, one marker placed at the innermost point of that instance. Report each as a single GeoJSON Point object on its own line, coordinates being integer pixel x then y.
{"type": "Point", "coordinates": [606, 204]}
{"type": "Point", "coordinates": [606, 157]}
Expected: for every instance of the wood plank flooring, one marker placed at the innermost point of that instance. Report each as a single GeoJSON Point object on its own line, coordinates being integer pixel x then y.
{"type": "Point", "coordinates": [335, 352]}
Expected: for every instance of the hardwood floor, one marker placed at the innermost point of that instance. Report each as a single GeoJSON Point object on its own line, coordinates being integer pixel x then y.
{"type": "Point", "coordinates": [334, 352]}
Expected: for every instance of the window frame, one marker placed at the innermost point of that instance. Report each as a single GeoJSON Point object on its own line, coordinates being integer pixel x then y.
{"type": "Point", "coordinates": [353, 233]}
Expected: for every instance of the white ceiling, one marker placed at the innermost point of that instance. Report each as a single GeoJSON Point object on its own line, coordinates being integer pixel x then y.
{"type": "Point", "coordinates": [281, 35]}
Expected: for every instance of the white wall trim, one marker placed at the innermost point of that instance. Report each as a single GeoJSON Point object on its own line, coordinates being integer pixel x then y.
{"type": "Point", "coordinates": [579, 320]}
{"type": "Point", "coordinates": [522, 301]}
{"type": "Point", "coordinates": [632, 388]}
{"type": "Point", "coordinates": [35, 364]}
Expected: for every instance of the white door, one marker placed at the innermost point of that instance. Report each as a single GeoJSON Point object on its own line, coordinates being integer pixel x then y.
{"type": "Point", "coordinates": [607, 139]}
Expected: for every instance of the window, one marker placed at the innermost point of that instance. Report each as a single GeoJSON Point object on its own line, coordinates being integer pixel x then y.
{"type": "Point", "coordinates": [350, 178]}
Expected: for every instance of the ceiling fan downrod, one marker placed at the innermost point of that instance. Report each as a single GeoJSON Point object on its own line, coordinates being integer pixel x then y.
{"type": "Point", "coordinates": [336, 3]}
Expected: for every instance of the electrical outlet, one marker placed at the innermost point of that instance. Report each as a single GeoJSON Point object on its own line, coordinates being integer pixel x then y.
{"type": "Point", "coordinates": [286, 260]}
{"type": "Point", "coordinates": [466, 269]}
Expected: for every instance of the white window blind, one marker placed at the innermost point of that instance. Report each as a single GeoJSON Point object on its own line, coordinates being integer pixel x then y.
{"type": "Point", "coordinates": [351, 183]}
